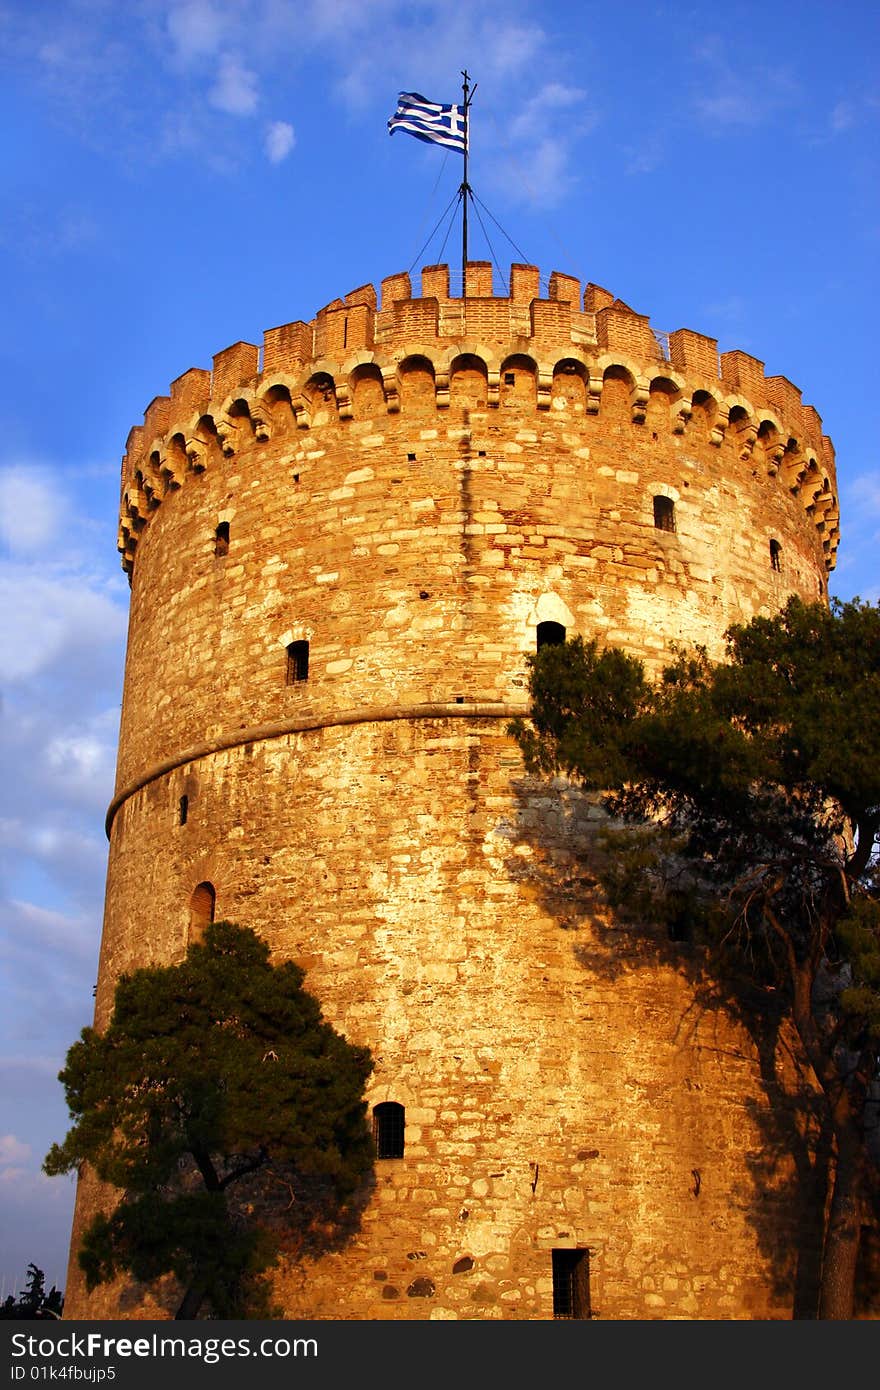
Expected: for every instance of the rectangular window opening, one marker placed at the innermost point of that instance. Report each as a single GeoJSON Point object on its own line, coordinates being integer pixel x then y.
{"type": "Point", "coordinates": [221, 538]}
{"type": "Point", "coordinates": [297, 662]}
{"type": "Point", "coordinates": [664, 513]}
{"type": "Point", "coordinates": [571, 1284]}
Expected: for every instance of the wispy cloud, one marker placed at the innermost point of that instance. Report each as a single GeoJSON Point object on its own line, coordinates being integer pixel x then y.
{"type": "Point", "coordinates": [13, 1150]}
{"type": "Point", "coordinates": [280, 140]}
{"type": "Point", "coordinates": [197, 29]}
{"type": "Point", "coordinates": [236, 89]}
{"type": "Point", "coordinates": [736, 94]}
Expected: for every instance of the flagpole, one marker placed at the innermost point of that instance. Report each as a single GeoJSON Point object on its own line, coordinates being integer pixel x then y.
{"type": "Point", "coordinates": [465, 186]}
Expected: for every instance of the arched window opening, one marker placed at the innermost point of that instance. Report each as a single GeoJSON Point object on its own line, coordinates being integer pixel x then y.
{"type": "Point", "coordinates": [201, 909]}
{"type": "Point", "coordinates": [571, 1284]}
{"type": "Point", "coordinates": [550, 635]}
{"type": "Point", "coordinates": [664, 513]}
{"type": "Point", "coordinates": [183, 809]}
{"type": "Point", "coordinates": [297, 662]}
{"type": "Point", "coordinates": [221, 538]}
{"type": "Point", "coordinates": [389, 1123]}
{"type": "Point", "coordinates": [775, 555]}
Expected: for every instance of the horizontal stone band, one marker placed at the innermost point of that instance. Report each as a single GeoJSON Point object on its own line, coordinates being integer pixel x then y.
{"type": "Point", "coordinates": [256, 733]}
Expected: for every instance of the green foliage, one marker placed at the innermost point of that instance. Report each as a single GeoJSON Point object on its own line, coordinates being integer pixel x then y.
{"type": "Point", "coordinates": [225, 1109]}
{"type": "Point", "coordinates": [582, 702]}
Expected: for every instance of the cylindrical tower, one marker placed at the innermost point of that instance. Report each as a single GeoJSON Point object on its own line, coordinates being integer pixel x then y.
{"type": "Point", "coordinates": [342, 547]}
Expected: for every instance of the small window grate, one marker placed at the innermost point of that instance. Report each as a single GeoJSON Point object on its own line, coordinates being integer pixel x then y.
{"type": "Point", "coordinates": [389, 1123]}
{"type": "Point", "coordinates": [571, 1284]}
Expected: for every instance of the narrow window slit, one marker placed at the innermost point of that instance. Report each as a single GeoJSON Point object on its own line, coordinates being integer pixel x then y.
{"type": "Point", "coordinates": [297, 662]}
{"type": "Point", "coordinates": [664, 513]}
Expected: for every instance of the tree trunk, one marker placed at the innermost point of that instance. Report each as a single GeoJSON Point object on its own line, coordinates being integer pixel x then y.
{"type": "Point", "coordinates": [837, 1290]}
{"type": "Point", "coordinates": [193, 1299]}
{"type": "Point", "coordinates": [844, 1225]}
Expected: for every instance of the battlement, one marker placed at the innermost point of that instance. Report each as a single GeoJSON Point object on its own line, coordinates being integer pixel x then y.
{"type": "Point", "coordinates": [305, 372]}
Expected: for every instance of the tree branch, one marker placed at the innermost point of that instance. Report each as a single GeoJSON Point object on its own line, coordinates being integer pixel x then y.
{"type": "Point", "coordinates": [250, 1167]}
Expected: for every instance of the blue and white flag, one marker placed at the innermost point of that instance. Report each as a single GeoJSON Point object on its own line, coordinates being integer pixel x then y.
{"type": "Point", "coordinates": [426, 120]}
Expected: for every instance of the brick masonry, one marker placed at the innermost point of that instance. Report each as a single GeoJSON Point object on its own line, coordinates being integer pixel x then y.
{"type": "Point", "coordinates": [411, 485]}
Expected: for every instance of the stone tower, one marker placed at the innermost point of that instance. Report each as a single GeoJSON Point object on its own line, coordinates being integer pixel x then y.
{"type": "Point", "coordinates": [342, 546]}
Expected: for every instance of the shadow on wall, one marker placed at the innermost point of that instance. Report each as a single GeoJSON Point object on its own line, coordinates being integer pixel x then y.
{"type": "Point", "coordinates": [568, 856]}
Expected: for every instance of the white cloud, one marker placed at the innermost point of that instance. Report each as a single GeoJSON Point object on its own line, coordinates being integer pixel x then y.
{"type": "Point", "coordinates": [196, 28]}
{"type": "Point", "coordinates": [534, 117]}
{"type": "Point", "coordinates": [842, 117]}
{"type": "Point", "coordinates": [13, 1150]}
{"type": "Point", "coordinates": [739, 94]}
{"type": "Point", "coordinates": [235, 90]}
{"type": "Point", "coordinates": [28, 509]}
{"type": "Point", "coordinates": [280, 140]}
{"type": "Point", "coordinates": [540, 175]}
{"type": "Point", "coordinates": [44, 618]}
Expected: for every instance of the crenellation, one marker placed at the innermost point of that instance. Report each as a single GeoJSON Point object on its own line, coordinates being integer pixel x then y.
{"type": "Point", "coordinates": [435, 282]}
{"type": "Point", "coordinates": [619, 329]}
{"type": "Point", "coordinates": [234, 366]}
{"type": "Point", "coordinates": [157, 416]}
{"type": "Point", "coordinates": [694, 353]}
{"type": "Point", "coordinates": [549, 320]}
{"type": "Point", "coordinates": [786, 398]}
{"type": "Point", "coordinates": [190, 392]}
{"type": "Point", "coordinates": [744, 374]}
{"type": "Point", "coordinates": [395, 287]}
{"type": "Point", "coordinates": [565, 288]}
{"type": "Point", "coordinates": [596, 298]}
{"type": "Point", "coordinates": [287, 347]}
{"type": "Point", "coordinates": [478, 280]}
{"type": "Point", "coordinates": [525, 283]}
{"type": "Point", "coordinates": [364, 295]}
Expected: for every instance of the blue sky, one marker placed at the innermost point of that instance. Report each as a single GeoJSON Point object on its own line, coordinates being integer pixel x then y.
{"type": "Point", "coordinates": [182, 174]}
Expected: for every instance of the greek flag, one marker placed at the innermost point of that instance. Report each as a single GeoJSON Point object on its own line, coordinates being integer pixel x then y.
{"type": "Point", "coordinates": [437, 125]}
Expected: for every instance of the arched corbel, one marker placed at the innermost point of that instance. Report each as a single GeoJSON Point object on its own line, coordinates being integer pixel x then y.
{"type": "Point", "coordinates": [137, 504]}
{"type": "Point", "coordinates": [301, 412]}
{"type": "Point", "coordinates": [441, 388]}
{"type": "Point", "coordinates": [493, 388]}
{"type": "Point", "coordinates": [227, 433]}
{"type": "Point", "coordinates": [682, 411]}
{"type": "Point", "coordinates": [343, 401]}
{"type": "Point", "coordinates": [261, 418]}
{"type": "Point", "coordinates": [196, 454]}
{"type": "Point", "coordinates": [639, 397]}
{"type": "Point", "coordinates": [169, 469]}
{"type": "Point", "coordinates": [719, 424]}
{"type": "Point", "coordinates": [747, 439]}
{"type": "Point", "coordinates": [544, 387]}
{"type": "Point", "coordinates": [594, 384]}
{"type": "Point", "coordinates": [391, 388]}
{"type": "Point", "coordinates": [775, 455]}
